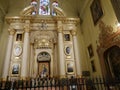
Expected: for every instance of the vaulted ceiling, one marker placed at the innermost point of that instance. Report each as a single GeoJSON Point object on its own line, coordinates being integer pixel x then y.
{"type": "Point", "coordinates": [72, 8]}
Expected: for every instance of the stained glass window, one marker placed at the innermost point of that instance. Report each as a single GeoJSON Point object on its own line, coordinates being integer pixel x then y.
{"type": "Point", "coordinates": [34, 3]}
{"type": "Point", "coordinates": [54, 4]}
{"type": "Point", "coordinates": [44, 8]}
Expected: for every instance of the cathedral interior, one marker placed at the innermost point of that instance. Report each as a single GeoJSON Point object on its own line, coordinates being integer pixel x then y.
{"type": "Point", "coordinates": [59, 38]}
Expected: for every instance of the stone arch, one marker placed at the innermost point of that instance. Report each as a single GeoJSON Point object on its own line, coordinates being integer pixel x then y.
{"type": "Point", "coordinates": [112, 61]}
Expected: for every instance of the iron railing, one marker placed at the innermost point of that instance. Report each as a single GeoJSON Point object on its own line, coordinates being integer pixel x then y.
{"type": "Point", "coordinates": [61, 84]}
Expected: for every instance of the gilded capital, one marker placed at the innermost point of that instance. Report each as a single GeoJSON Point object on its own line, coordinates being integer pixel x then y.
{"type": "Point", "coordinates": [11, 31]}
{"type": "Point", "coordinates": [27, 28]}
{"type": "Point", "coordinates": [74, 32]}
{"type": "Point", "coordinates": [59, 29]}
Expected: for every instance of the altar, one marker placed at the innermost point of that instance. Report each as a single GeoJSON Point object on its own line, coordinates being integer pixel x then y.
{"type": "Point", "coordinates": [39, 45]}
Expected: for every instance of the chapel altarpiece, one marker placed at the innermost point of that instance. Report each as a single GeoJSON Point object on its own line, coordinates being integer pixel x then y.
{"type": "Point", "coordinates": [41, 46]}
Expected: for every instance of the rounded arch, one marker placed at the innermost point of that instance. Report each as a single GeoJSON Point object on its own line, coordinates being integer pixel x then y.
{"type": "Point", "coordinates": [112, 61]}
{"type": "Point", "coordinates": [43, 56]}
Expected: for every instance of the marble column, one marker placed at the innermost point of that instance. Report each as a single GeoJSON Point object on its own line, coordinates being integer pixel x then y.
{"type": "Point", "coordinates": [8, 54]}
{"type": "Point", "coordinates": [76, 54]}
{"type": "Point", "coordinates": [26, 48]}
{"type": "Point", "coordinates": [60, 50]}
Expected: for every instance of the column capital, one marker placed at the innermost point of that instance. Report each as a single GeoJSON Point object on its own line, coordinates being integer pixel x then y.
{"type": "Point", "coordinates": [27, 28]}
{"type": "Point", "coordinates": [59, 27]}
{"type": "Point", "coordinates": [74, 32]}
{"type": "Point", "coordinates": [11, 31]}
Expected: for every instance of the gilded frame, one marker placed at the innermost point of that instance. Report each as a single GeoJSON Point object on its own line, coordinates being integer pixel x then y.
{"type": "Point", "coordinates": [44, 69]}
{"type": "Point", "coordinates": [67, 37]}
{"type": "Point", "coordinates": [19, 37]}
{"type": "Point", "coordinates": [68, 49]}
{"type": "Point", "coordinates": [15, 69]}
{"type": "Point", "coordinates": [70, 68]}
{"type": "Point", "coordinates": [18, 50]}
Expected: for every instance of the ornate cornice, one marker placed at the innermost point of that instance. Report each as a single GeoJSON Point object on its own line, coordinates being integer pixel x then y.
{"type": "Point", "coordinates": [38, 19]}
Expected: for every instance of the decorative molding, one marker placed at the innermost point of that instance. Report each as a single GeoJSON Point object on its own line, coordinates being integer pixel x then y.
{"type": "Point", "coordinates": [107, 36]}
{"type": "Point", "coordinates": [74, 32]}
{"type": "Point", "coordinates": [27, 11]}
{"type": "Point", "coordinates": [105, 33]}
{"type": "Point", "coordinates": [11, 31]}
{"type": "Point", "coordinates": [59, 12]}
{"type": "Point", "coordinates": [43, 38]}
{"type": "Point", "coordinates": [39, 19]}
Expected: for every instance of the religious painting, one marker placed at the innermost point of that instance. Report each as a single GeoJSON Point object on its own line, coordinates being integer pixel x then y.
{"type": "Point", "coordinates": [19, 37]}
{"type": "Point", "coordinates": [67, 50]}
{"type": "Point", "coordinates": [90, 51]}
{"type": "Point", "coordinates": [44, 8]}
{"type": "Point", "coordinates": [93, 66]}
{"type": "Point", "coordinates": [70, 67]}
{"type": "Point", "coordinates": [66, 37]}
{"type": "Point", "coordinates": [43, 69]}
{"type": "Point", "coordinates": [17, 50]}
{"type": "Point", "coordinates": [96, 11]}
{"type": "Point", "coordinates": [15, 68]}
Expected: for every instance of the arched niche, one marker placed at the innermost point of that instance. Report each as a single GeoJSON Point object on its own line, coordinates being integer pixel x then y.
{"type": "Point", "coordinates": [112, 61]}
{"type": "Point", "coordinates": [43, 60]}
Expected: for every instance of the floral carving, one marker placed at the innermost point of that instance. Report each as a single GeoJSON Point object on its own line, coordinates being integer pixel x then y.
{"type": "Point", "coordinates": [105, 32]}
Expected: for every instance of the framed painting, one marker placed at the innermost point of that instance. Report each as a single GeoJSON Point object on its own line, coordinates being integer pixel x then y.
{"type": "Point", "coordinates": [66, 37]}
{"type": "Point", "coordinates": [70, 67]}
{"type": "Point", "coordinates": [43, 69]}
{"type": "Point", "coordinates": [19, 37]}
{"type": "Point", "coordinates": [90, 51]}
{"type": "Point", "coordinates": [67, 50]}
{"type": "Point", "coordinates": [15, 70]}
{"type": "Point", "coordinates": [96, 11]}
